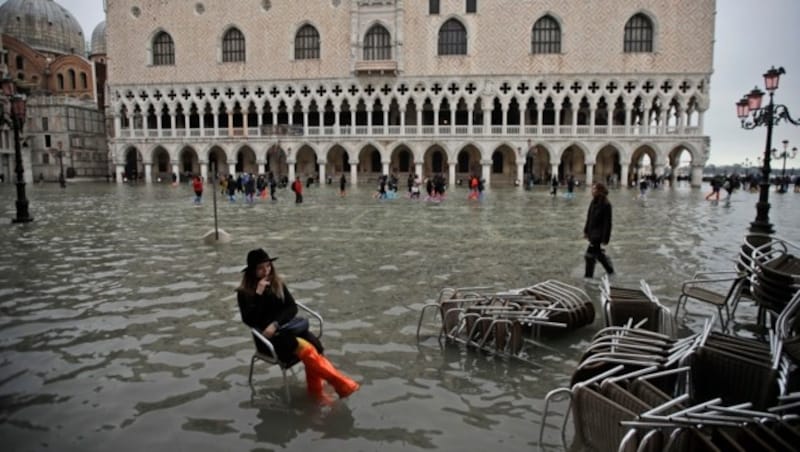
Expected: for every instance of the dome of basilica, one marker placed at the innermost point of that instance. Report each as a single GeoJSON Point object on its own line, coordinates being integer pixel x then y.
{"type": "Point", "coordinates": [44, 25]}
{"type": "Point", "coordinates": [99, 39]}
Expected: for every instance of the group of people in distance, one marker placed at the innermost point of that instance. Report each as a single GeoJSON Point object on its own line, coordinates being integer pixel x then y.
{"type": "Point", "coordinates": [729, 183]}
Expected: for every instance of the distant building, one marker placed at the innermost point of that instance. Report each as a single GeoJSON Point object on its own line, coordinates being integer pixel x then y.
{"type": "Point", "coordinates": [499, 88]}
{"type": "Point", "coordinates": [44, 51]}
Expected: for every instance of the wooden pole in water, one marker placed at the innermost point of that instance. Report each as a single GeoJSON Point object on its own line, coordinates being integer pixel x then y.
{"type": "Point", "coordinates": [214, 191]}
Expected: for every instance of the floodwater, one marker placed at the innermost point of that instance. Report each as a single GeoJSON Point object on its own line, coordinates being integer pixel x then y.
{"type": "Point", "coordinates": [120, 329]}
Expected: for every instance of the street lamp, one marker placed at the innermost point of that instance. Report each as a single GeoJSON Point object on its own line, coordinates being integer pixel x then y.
{"type": "Point", "coordinates": [784, 155]}
{"type": "Point", "coordinates": [752, 115]}
{"type": "Point", "coordinates": [16, 118]}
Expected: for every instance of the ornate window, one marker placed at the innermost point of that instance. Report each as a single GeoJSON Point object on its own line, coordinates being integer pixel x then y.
{"type": "Point", "coordinates": [60, 78]}
{"type": "Point", "coordinates": [433, 6]}
{"type": "Point", "coordinates": [306, 43]}
{"type": "Point", "coordinates": [84, 81]}
{"type": "Point", "coordinates": [452, 38]}
{"type": "Point", "coordinates": [163, 50]}
{"type": "Point", "coordinates": [233, 46]}
{"type": "Point", "coordinates": [546, 36]}
{"type": "Point", "coordinates": [72, 83]}
{"type": "Point", "coordinates": [377, 44]}
{"type": "Point", "coordinates": [472, 6]}
{"type": "Point", "coordinates": [639, 34]}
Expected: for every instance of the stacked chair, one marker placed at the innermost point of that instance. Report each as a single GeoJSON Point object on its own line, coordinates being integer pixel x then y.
{"type": "Point", "coordinates": [640, 390]}
{"type": "Point", "coordinates": [621, 304]}
{"type": "Point", "coordinates": [776, 275]}
{"type": "Point", "coordinates": [509, 323]}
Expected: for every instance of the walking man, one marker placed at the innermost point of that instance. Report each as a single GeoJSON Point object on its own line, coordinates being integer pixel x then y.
{"type": "Point", "coordinates": [598, 230]}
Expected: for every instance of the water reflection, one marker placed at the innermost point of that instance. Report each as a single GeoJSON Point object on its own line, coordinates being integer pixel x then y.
{"type": "Point", "coordinates": [120, 328]}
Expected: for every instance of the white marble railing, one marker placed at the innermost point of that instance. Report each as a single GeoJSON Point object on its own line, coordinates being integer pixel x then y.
{"type": "Point", "coordinates": [443, 130]}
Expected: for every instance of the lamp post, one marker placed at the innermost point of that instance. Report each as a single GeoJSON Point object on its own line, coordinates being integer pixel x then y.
{"type": "Point", "coordinates": [752, 115]}
{"type": "Point", "coordinates": [784, 155]}
{"type": "Point", "coordinates": [16, 118]}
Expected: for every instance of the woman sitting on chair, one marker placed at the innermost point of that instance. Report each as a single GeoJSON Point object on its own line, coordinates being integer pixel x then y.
{"type": "Point", "coordinates": [266, 304]}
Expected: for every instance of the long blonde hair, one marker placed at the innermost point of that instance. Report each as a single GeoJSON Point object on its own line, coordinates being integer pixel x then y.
{"type": "Point", "coordinates": [250, 282]}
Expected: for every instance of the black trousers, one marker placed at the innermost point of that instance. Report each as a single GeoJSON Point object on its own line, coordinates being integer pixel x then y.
{"type": "Point", "coordinates": [594, 254]}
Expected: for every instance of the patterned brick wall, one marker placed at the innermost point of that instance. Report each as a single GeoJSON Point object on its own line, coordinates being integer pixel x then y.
{"type": "Point", "coordinates": [498, 43]}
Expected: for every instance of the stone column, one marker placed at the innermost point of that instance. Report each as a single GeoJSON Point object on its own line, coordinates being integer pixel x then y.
{"type": "Point", "coordinates": [385, 167]}
{"type": "Point", "coordinates": [402, 122]}
{"type": "Point", "coordinates": [148, 173]}
{"type": "Point", "coordinates": [697, 176]}
{"type": "Point", "coordinates": [232, 169]}
{"type": "Point", "coordinates": [204, 171]}
{"type": "Point", "coordinates": [292, 163]}
{"type": "Point", "coordinates": [120, 169]}
{"type": "Point", "coordinates": [520, 182]}
{"type": "Point", "coordinates": [353, 172]}
{"type": "Point", "coordinates": [418, 169]}
{"type": "Point", "coordinates": [305, 123]}
{"type": "Point", "coordinates": [176, 170]}
{"type": "Point", "coordinates": [553, 171]}
{"type": "Point", "coordinates": [117, 127]}
{"type": "Point", "coordinates": [592, 114]}
{"type": "Point", "coordinates": [451, 174]}
{"type": "Point", "coordinates": [575, 121]}
{"type": "Point", "coordinates": [504, 118]}
{"type": "Point", "coordinates": [623, 180]}
{"type": "Point", "coordinates": [436, 121]}
{"type": "Point", "coordinates": [589, 174]}
{"type": "Point", "coordinates": [321, 173]}
{"type": "Point", "coordinates": [486, 173]}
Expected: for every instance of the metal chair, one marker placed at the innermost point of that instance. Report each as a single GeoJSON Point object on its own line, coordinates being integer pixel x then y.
{"type": "Point", "coordinates": [271, 357]}
{"type": "Point", "coordinates": [704, 287]}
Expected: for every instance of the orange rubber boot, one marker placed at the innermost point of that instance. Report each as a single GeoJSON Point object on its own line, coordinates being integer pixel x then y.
{"type": "Point", "coordinates": [319, 366]}
{"type": "Point", "coordinates": [314, 386]}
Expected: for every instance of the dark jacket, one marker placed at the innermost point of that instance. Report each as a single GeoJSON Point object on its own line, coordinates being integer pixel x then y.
{"type": "Point", "coordinates": [598, 221]}
{"type": "Point", "coordinates": [258, 311]}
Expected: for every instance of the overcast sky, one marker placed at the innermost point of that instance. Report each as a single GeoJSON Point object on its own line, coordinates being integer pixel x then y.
{"type": "Point", "coordinates": [751, 36]}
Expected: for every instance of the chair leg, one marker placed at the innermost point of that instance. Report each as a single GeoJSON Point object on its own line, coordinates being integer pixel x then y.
{"type": "Point", "coordinates": [250, 378]}
{"type": "Point", "coordinates": [286, 385]}
{"type": "Point", "coordinates": [681, 301]}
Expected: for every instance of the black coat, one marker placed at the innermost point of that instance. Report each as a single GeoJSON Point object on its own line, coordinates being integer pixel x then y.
{"type": "Point", "coordinates": [598, 221]}
{"type": "Point", "coordinates": [259, 311]}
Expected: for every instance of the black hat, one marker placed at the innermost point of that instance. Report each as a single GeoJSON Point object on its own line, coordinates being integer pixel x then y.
{"type": "Point", "coordinates": [256, 257]}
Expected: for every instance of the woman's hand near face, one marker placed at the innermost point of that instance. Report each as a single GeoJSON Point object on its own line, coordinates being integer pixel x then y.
{"type": "Point", "coordinates": [263, 283]}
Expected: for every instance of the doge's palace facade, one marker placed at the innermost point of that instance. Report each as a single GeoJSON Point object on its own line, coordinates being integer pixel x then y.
{"type": "Point", "coordinates": [506, 89]}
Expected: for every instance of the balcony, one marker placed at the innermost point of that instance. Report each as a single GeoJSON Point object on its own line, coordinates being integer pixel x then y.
{"type": "Point", "coordinates": [411, 131]}
{"type": "Point", "coordinates": [376, 67]}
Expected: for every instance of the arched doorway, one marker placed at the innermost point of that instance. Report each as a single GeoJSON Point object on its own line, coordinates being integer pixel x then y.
{"type": "Point", "coordinates": [468, 163]}
{"type": "Point", "coordinates": [607, 167]}
{"type": "Point", "coordinates": [369, 163]}
{"type": "Point", "coordinates": [435, 161]}
{"type": "Point", "coordinates": [642, 165]}
{"type": "Point", "coordinates": [161, 170]}
{"type": "Point", "coordinates": [680, 167]}
{"type": "Point", "coordinates": [134, 167]}
{"type": "Point", "coordinates": [277, 163]}
{"type": "Point", "coordinates": [189, 162]}
{"type": "Point", "coordinates": [402, 162]}
{"type": "Point", "coordinates": [306, 163]}
{"type": "Point", "coordinates": [246, 161]}
{"type": "Point", "coordinates": [504, 166]}
{"type": "Point", "coordinates": [338, 161]}
{"type": "Point", "coordinates": [573, 164]}
{"type": "Point", "coordinates": [217, 161]}
{"type": "Point", "coordinates": [537, 165]}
